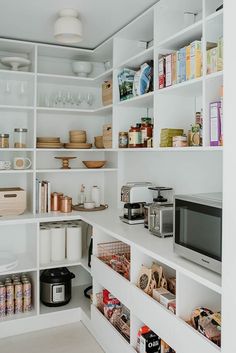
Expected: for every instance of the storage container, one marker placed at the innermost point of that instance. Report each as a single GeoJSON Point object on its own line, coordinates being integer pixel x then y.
{"type": "Point", "coordinates": [20, 138]}
{"type": "Point", "coordinates": [107, 92]}
{"type": "Point", "coordinates": [12, 201]}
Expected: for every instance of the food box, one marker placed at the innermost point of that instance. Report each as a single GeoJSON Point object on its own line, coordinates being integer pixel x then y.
{"type": "Point", "coordinates": [12, 201]}
{"type": "Point", "coordinates": [156, 293]}
{"type": "Point", "coordinates": [195, 59]}
{"type": "Point", "coordinates": [126, 81]}
{"type": "Point", "coordinates": [161, 72]}
{"type": "Point", "coordinates": [107, 92]}
{"type": "Point", "coordinates": [168, 70]}
{"type": "Point", "coordinates": [167, 298]}
{"type": "Point", "coordinates": [215, 123]}
{"type": "Point", "coordinates": [150, 343]}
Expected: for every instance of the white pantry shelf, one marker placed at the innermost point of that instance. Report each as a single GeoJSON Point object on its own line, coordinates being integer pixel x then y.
{"type": "Point", "coordinates": [17, 75]}
{"type": "Point", "coordinates": [16, 108]}
{"type": "Point", "coordinates": [188, 88]}
{"type": "Point", "coordinates": [77, 300]}
{"type": "Point", "coordinates": [12, 149]}
{"type": "Point", "coordinates": [143, 101]}
{"type": "Point", "coordinates": [138, 59]}
{"type": "Point", "coordinates": [183, 37]}
{"type": "Point", "coordinates": [75, 80]}
{"type": "Point", "coordinates": [215, 15]}
{"type": "Point", "coordinates": [215, 75]}
{"type": "Point", "coordinates": [81, 262]}
{"type": "Point", "coordinates": [78, 170]}
{"type": "Point", "coordinates": [77, 150]}
{"type": "Point", "coordinates": [12, 171]}
{"type": "Point", "coordinates": [97, 111]}
{"type": "Point", "coordinates": [26, 263]}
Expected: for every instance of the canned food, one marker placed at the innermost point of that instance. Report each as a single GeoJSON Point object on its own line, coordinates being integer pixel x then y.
{"type": "Point", "coordinates": [18, 297]}
{"type": "Point", "coordinates": [9, 299]}
{"type": "Point", "coordinates": [26, 296]}
{"type": "Point", "coordinates": [2, 300]}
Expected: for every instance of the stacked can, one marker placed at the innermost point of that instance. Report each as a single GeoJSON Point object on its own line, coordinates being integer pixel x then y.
{"type": "Point", "coordinates": [9, 297]}
{"type": "Point", "coordinates": [18, 297]}
{"type": "Point", "coordinates": [26, 295]}
{"type": "Point", "coordinates": [2, 300]}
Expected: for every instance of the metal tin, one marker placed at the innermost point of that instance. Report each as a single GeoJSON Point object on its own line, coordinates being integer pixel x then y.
{"type": "Point", "coordinates": [18, 297]}
{"type": "Point", "coordinates": [66, 204]}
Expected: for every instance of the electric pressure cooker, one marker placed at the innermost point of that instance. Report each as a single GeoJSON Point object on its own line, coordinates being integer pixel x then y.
{"type": "Point", "coordinates": [55, 286]}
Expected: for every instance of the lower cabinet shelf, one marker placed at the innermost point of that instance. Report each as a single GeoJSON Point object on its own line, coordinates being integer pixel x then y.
{"type": "Point", "coordinates": [78, 300]}
{"type": "Point", "coordinates": [111, 280]}
{"type": "Point", "coordinates": [107, 335]}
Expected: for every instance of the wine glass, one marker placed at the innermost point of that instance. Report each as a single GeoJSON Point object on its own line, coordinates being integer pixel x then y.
{"type": "Point", "coordinates": [89, 99]}
{"type": "Point", "coordinates": [79, 99]}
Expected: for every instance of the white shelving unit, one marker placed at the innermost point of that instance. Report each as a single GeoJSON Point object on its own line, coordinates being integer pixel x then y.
{"type": "Point", "coordinates": [198, 169]}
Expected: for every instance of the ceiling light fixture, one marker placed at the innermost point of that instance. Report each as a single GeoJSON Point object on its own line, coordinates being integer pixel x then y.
{"type": "Point", "coordinates": [68, 27]}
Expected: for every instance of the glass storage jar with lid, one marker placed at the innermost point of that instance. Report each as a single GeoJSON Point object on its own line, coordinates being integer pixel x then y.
{"type": "Point", "coordinates": [20, 137]}
{"type": "Point", "coordinates": [4, 140]}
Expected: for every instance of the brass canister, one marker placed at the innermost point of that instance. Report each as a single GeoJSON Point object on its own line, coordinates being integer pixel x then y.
{"type": "Point", "coordinates": [56, 201]}
{"type": "Point", "coordinates": [66, 204]}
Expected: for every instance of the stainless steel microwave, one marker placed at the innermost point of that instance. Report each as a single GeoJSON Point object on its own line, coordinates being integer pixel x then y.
{"type": "Point", "coordinates": [198, 229]}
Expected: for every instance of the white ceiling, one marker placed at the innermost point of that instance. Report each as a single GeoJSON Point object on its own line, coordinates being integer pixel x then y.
{"type": "Point", "coordinates": [33, 19]}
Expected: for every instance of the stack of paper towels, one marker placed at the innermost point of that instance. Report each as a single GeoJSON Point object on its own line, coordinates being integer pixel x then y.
{"type": "Point", "coordinates": [59, 242]}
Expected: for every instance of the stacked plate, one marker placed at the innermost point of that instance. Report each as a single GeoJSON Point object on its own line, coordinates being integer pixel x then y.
{"type": "Point", "coordinates": [49, 142]}
{"type": "Point", "coordinates": [78, 140]}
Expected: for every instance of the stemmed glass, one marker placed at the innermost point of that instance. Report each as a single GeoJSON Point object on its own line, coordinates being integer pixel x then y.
{"type": "Point", "coordinates": [89, 99]}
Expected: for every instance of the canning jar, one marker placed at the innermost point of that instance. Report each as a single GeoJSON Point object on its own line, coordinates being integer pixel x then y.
{"type": "Point", "coordinates": [20, 138]}
{"type": "Point", "coordinates": [4, 140]}
{"type": "Point", "coordinates": [146, 132]}
{"type": "Point", "coordinates": [135, 137]}
{"type": "Point", "coordinates": [123, 139]}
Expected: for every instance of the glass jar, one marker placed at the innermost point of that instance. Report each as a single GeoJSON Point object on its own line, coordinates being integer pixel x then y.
{"type": "Point", "coordinates": [146, 132]}
{"type": "Point", "coordinates": [135, 137]}
{"type": "Point", "coordinates": [4, 140]}
{"type": "Point", "coordinates": [123, 139]}
{"type": "Point", "coordinates": [20, 138]}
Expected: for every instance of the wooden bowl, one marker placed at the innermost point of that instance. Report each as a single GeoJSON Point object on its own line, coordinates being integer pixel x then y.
{"type": "Point", "coordinates": [94, 164]}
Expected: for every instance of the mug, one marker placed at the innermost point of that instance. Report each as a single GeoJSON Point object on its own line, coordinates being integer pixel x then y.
{"type": "Point", "coordinates": [21, 163]}
{"type": "Point", "coordinates": [5, 165]}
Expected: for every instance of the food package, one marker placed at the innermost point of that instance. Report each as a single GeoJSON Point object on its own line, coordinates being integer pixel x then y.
{"type": "Point", "coordinates": [156, 293]}
{"type": "Point", "coordinates": [210, 327]}
{"type": "Point", "coordinates": [125, 81]}
{"type": "Point", "coordinates": [197, 314]}
{"type": "Point", "coordinates": [171, 282]}
{"type": "Point", "coordinates": [142, 79]}
{"type": "Point", "coordinates": [150, 343]}
{"type": "Point", "coordinates": [165, 348]}
{"type": "Point", "coordinates": [144, 278]}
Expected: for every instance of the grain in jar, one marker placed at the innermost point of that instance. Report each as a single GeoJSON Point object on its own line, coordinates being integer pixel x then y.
{"type": "Point", "coordinates": [4, 140]}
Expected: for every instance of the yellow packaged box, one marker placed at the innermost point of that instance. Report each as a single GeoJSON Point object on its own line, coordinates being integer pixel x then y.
{"type": "Point", "coordinates": [12, 201]}
{"type": "Point", "coordinates": [195, 59]}
{"type": "Point", "coordinates": [107, 92]}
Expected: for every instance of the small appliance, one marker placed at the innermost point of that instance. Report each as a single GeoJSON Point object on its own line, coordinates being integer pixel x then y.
{"type": "Point", "coordinates": [55, 286]}
{"type": "Point", "coordinates": [198, 229]}
{"type": "Point", "coordinates": [159, 214]}
{"type": "Point", "coordinates": [135, 195]}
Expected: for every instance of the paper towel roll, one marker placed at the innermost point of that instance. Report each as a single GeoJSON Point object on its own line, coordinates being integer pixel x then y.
{"type": "Point", "coordinates": [45, 245]}
{"type": "Point", "coordinates": [74, 243]}
{"type": "Point", "coordinates": [58, 239]}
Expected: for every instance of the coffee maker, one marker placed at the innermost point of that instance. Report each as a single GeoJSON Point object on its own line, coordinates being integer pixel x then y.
{"type": "Point", "coordinates": [135, 195]}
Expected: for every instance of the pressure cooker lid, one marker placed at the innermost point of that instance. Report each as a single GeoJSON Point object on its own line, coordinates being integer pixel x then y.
{"type": "Point", "coordinates": [56, 275]}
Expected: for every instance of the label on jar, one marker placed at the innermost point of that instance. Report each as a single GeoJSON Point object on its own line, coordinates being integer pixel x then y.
{"type": "Point", "coordinates": [123, 140]}
{"type": "Point", "coordinates": [134, 138]}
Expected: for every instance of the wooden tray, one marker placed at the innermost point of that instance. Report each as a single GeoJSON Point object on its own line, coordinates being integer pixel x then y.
{"type": "Point", "coordinates": [80, 207]}
{"type": "Point", "coordinates": [49, 145]}
{"type": "Point", "coordinates": [48, 139]}
{"type": "Point", "coordinates": [78, 145]}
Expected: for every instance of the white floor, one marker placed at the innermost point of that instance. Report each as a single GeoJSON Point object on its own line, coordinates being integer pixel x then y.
{"type": "Point", "coordinates": [73, 338]}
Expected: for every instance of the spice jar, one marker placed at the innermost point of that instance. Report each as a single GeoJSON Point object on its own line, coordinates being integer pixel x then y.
{"type": "Point", "coordinates": [56, 201]}
{"type": "Point", "coordinates": [4, 140]}
{"type": "Point", "coordinates": [135, 136]}
{"type": "Point", "coordinates": [66, 204]}
{"type": "Point", "coordinates": [123, 139]}
{"type": "Point", "coordinates": [20, 138]}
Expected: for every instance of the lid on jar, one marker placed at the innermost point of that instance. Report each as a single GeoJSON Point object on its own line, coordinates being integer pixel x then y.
{"type": "Point", "coordinates": [123, 132]}
{"type": "Point", "coordinates": [4, 135]}
{"type": "Point", "coordinates": [146, 119]}
{"type": "Point", "coordinates": [20, 129]}
{"type": "Point", "coordinates": [66, 198]}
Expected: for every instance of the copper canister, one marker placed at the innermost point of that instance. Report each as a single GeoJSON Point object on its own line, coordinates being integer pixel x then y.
{"type": "Point", "coordinates": [56, 201]}
{"type": "Point", "coordinates": [66, 204]}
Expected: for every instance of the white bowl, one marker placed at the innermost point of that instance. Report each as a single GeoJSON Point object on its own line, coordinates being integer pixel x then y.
{"type": "Point", "coordinates": [82, 68]}
{"type": "Point", "coordinates": [89, 205]}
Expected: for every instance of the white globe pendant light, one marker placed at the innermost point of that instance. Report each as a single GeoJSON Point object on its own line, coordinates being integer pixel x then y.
{"type": "Point", "coordinates": [68, 27]}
